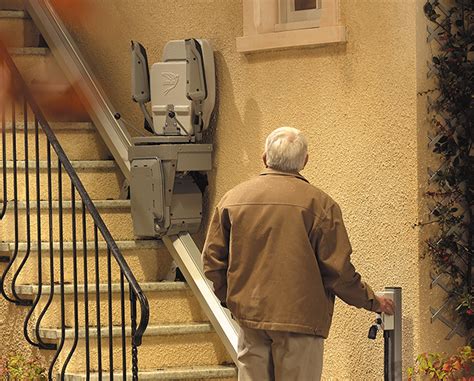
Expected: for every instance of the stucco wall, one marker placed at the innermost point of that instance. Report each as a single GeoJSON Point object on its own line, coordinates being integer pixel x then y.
{"type": "Point", "coordinates": [355, 102]}
{"type": "Point", "coordinates": [12, 341]}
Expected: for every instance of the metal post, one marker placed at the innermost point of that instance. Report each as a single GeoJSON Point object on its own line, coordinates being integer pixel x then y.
{"type": "Point", "coordinates": [392, 334]}
{"type": "Point", "coordinates": [393, 339]}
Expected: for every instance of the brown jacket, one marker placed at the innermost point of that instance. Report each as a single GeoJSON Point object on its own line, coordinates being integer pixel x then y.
{"type": "Point", "coordinates": [277, 253]}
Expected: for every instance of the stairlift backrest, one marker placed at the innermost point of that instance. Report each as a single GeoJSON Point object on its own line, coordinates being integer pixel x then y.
{"type": "Point", "coordinates": [168, 87]}
{"type": "Point", "coordinates": [169, 80]}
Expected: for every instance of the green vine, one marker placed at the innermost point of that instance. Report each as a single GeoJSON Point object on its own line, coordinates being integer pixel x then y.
{"type": "Point", "coordinates": [451, 184]}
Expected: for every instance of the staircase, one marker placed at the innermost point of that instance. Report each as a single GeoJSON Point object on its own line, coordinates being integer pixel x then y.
{"type": "Point", "coordinates": [80, 289]}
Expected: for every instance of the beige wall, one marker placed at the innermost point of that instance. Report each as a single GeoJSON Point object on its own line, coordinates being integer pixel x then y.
{"type": "Point", "coordinates": [12, 341]}
{"type": "Point", "coordinates": [355, 102]}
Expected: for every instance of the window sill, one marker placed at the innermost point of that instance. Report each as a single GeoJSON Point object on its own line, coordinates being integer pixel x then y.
{"type": "Point", "coordinates": [292, 38]}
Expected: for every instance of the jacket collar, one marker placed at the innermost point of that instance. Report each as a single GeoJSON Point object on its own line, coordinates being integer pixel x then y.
{"type": "Point", "coordinates": [274, 172]}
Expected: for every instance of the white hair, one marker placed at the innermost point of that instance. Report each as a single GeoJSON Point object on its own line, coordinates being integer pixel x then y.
{"type": "Point", "coordinates": [286, 149]}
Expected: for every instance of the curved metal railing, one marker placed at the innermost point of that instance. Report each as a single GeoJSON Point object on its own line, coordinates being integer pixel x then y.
{"type": "Point", "coordinates": [82, 212]}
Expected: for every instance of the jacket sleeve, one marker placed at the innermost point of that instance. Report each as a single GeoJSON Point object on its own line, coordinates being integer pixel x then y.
{"type": "Point", "coordinates": [215, 255]}
{"type": "Point", "coordinates": [338, 273]}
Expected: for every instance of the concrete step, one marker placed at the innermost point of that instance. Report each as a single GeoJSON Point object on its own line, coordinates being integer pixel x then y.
{"type": "Point", "coordinates": [149, 261]}
{"type": "Point", "coordinates": [170, 303]}
{"type": "Point", "coordinates": [102, 179]}
{"type": "Point", "coordinates": [17, 29]}
{"type": "Point", "coordinates": [12, 4]}
{"type": "Point", "coordinates": [80, 140]}
{"type": "Point", "coordinates": [54, 334]}
{"type": "Point", "coordinates": [115, 213]}
{"type": "Point", "coordinates": [30, 51]}
{"type": "Point", "coordinates": [197, 373]}
{"type": "Point", "coordinates": [177, 345]}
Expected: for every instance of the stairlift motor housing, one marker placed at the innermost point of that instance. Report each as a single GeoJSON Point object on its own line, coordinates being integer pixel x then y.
{"type": "Point", "coordinates": [165, 195]}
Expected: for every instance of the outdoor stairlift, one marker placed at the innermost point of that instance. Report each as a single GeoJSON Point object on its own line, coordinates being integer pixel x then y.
{"type": "Point", "coordinates": [167, 177]}
{"type": "Point", "coordinates": [168, 168]}
{"type": "Point", "coordinates": [165, 188]}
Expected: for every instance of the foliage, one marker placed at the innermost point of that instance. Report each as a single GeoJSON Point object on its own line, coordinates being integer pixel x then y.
{"type": "Point", "coordinates": [440, 367]}
{"type": "Point", "coordinates": [451, 184]}
{"type": "Point", "coordinates": [17, 368]}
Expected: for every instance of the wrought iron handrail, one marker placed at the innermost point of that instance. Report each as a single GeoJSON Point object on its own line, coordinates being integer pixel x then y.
{"type": "Point", "coordinates": [87, 205]}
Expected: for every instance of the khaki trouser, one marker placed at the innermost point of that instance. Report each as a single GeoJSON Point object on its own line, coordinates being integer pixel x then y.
{"type": "Point", "coordinates": [279, 356]}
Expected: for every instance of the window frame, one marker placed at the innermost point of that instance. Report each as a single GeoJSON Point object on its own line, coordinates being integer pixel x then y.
{"type": "Point", "coordinates": [263, 29]}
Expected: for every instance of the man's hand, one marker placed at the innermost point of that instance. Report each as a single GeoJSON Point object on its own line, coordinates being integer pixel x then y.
{"type": "Point", "coordinates": [387, 305]}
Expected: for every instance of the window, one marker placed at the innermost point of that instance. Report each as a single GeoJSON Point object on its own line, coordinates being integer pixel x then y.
{"type": "Point", "coordinates": [298, 14]}
{"type": "Point", "coordinates": [281, 24]}
{"type": "Point", "coordinates": [302, 5]}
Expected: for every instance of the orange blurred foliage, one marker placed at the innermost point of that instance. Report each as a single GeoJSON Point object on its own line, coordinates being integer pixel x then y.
{"type": "Point", "coordinates": [72, 10]}
{"type": "Point", "coordinates": [59, 103]}
{"type": "Point", "coordinates": [5, 85]}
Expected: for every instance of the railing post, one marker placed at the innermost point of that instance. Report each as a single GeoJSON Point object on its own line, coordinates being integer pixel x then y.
{"type": "Point", "coordinates": [133, 314]}
{"type": "Point", "coordinates": [393, 338]}
{"type": "Point", "coordinates": [4, 147]}
{"type": "Point", "coordinates": [392, 335]}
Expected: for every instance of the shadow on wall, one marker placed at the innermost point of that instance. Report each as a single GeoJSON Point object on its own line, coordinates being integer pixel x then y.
{"type": "Point", "coordinates": [408, 343]}
{"type": "Point", "coordinates": [248, 131]}
{"type": "Point", "coordinates": [354, 362]}
{"type": "Point", "coordinates": [209, 137]}
{"type": "Point", "coordinates": [319, 52]}
{"type": "Point", "coordinates": [256, 133]}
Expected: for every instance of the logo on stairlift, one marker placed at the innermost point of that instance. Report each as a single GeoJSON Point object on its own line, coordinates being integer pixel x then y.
{"type": "Point", "coordinates": [170, 81]}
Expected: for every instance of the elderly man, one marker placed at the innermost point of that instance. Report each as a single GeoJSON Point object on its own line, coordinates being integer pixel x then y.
{"type": "Point", "coordinates": [277, 253]}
